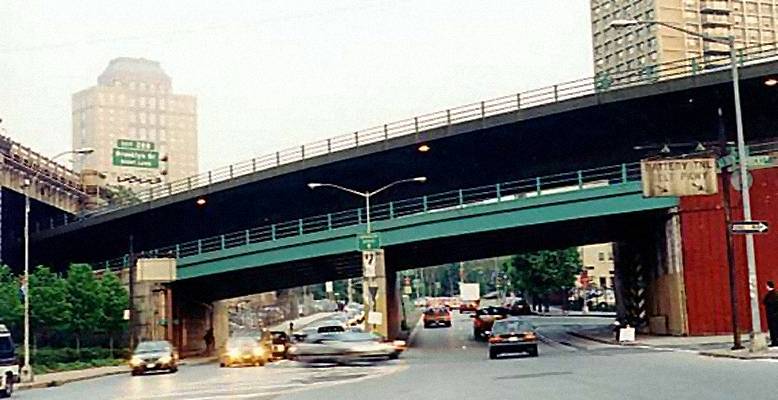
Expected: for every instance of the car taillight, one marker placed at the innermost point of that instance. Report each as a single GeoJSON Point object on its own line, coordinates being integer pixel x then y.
{"type": "Point", "coordinates": [529, 335]}
{"type": "Point", "coordinates": [495, 340]}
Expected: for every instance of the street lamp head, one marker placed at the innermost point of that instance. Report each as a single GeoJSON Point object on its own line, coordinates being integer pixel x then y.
{"type": "Point", "coordinates": [624, 23]}
{"type": "Point", "coordinates": [314, 185]}
{"type": "Point", "coordinates": [421, 179]}
{"type": "Point", "coordinates": [84, 150]}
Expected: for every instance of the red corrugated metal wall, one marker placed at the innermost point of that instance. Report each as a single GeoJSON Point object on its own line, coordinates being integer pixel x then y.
{"type": "Point", "coordinates": [704, 255]}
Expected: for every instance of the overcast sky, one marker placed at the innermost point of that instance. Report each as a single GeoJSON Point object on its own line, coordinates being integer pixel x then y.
{"type": "Point", "coordinates": [274, 74]}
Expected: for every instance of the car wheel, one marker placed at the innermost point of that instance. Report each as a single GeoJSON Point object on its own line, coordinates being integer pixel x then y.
{"type": "Point", "coordinates": [222, 365]}
{"type": "Point", "coordinates": [173, 370]}
{"type": "Point", "coordinates": [394, 356]}
{"type": "Point", "coordinates": [493, 354]}
{"type": "Point", "coordinates": [135, 372]}
{"type": "Point", "coordinates": [533, 351]}
{"type": "Point", "coordinates": [448, 324]}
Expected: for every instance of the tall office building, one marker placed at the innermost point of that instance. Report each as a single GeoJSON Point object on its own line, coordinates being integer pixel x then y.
{"type": "Point", "coordinates": [142, 133]}
{"type": "Point", "coordinates": [641, 47]}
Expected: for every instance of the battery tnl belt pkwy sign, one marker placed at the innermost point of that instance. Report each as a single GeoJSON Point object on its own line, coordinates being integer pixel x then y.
{"type": "Point", "coordinates": [679, 177]}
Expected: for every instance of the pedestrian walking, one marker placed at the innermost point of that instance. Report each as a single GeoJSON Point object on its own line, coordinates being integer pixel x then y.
{"type": "Point", "coordinates": [209, 339]}
{"type": "Point", "coordinates": [770, 302]}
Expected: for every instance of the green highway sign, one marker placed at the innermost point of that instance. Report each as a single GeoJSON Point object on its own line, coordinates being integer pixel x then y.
{"type": "Point", "coordinates": [135, 158]}
{"type": "Point", "coordinates": [134, 144]}
{"type": "Point", "coordinates": [368, 242]}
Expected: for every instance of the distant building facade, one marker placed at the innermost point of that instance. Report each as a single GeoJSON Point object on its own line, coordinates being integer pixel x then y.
{"type": "Point", "coordinates": [141, 131]}
{"type": "Point", "coordinates": [640, 48]}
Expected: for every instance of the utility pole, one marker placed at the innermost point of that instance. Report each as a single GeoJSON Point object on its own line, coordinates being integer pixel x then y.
{"type": "Point", "coordinates": [726, 205]}
{"type": "Point", "coordinates": [131, 261]}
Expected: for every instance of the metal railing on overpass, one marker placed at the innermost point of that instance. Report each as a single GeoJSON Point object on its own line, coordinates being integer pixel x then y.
{"type": "Point", "coordinates": [451, 200]}
{"type": "Point", "coordinates": [470, 112]}
{"type": "Point", "coordinates": [517, 190]}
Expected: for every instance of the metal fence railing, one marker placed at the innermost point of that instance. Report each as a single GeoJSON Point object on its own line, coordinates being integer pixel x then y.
{"type": "Point", "coordinates": [456, 199]}
{"type": "Point", "coordinates": [551, 94]}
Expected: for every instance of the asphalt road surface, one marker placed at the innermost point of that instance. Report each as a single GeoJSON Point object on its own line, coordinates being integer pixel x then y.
{"type": "Point", "coordinates": [446, 363]}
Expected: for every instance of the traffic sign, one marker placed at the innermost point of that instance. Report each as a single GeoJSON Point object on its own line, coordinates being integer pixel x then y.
{"type": "Point", "coordinates": [748, 227]}
{"type": "Point", "coordinates": [369, 259]}
{"type": "Point", "coordinates": [368, 241]}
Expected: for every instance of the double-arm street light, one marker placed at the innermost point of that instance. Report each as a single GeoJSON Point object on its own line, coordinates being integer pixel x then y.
{"type": "Point", "coordinates": [367, 195]}
{"type": "Point", "coordinates": [757, 342]}
{"type": "Point", "coordinates": [26, 370]}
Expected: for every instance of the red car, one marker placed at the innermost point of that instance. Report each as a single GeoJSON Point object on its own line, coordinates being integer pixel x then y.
{"type": "Point", "coordinates": [469, 306]}
{"type": "Point", "coordinates": [435, 316]}
{"type": "Point", "coordinates": [484, 319]}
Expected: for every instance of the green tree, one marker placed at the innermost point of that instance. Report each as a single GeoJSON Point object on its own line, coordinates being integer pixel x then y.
{"type": "Point", "coordinates": [49, 306]}
{"type": "Point", "coordinates": [114, 299]}
{"type": "Point", "coordinates": [84, 298]}
{"type": "Point", "coordinates": [11, 309]}
{"type": "Point", "coordinates": [544, 272]}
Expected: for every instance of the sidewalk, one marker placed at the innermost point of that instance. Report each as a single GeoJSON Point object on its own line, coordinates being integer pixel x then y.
{"type": "Point", "coordinates": [61, 378]}
{"type": "Point", "coordinates": [713, 346]}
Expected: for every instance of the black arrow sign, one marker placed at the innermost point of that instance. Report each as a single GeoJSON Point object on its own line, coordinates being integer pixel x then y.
{"type": "Point", "coordinates": [747, 227]}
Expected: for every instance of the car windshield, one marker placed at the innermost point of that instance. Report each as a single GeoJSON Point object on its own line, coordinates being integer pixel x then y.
{"type": "Point", "coordinates": [512, 326]}
{"type": "Point", "coordinates": [6, 347]}
{"type": "Point", "coordinates": [152, 347]}
{"type": "Point", "coordinates": [493, 311]}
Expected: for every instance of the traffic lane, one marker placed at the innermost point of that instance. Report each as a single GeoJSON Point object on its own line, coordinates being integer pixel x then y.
{"type": "Point", "coordinates": [209, 382]}
{"type": "Point", "coordinates": [445, 363]}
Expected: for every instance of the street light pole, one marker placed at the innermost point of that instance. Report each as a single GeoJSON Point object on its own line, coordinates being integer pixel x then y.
{"type": "Point", "coordinates": [757, 342]}
{"type": "Point", "coordinates": [26, 371]}
{"type": "Point", "coordinates": [369, 281]}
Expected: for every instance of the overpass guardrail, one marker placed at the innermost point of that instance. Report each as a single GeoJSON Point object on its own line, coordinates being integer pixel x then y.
{"type": "Point", "coordinates": [516, 190]}
{"type": "Point", "coordinates": [414, 126]}
{"type": "Point", "coordinates": [451, 200]}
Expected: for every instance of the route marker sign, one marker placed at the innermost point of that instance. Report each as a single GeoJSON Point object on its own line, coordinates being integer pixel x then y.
{"type": "Point", "coordinates": [368, 242]}
{"type": "Point", "coordinates": [368, 264]}
{"type": "Point", "coordinates": [749, 227]}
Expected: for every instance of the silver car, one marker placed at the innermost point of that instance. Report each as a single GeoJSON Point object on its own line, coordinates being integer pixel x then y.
{"type": "Point", "coordinates": [342, 348]}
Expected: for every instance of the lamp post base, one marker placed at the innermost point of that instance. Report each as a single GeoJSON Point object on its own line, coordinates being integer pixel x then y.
{"type": "Point", "coordinates": [758, 342]}
{"type": "Point", "coordinates": [25, 373]}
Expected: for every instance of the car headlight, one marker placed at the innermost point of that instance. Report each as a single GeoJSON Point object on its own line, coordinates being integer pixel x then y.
{"type": "Point", "coordinates": [259, 351]}
{"type": "Point", "coordinates": [135, 361]}
{"type": "Point", "coordinates": [234, 353]}
{"type": "Point", "coordinates": [165, 359]}
{"type": "Point", "coordinates": [292, 350]}
{"type": "Point", "coordinates": [398, 343]}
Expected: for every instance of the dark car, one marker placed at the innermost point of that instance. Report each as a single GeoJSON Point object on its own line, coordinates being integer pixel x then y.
{"type": "Point", "coordinates": [484, 319]}
{"type": "Point", "coordinates": [281, 344]}
{"type": "Point", "coordinates": [518, 306]}
{"type": "Point", "coordinates": [435, 316]}
{"type": "Point", "coordinates": [154, 356]}
{"type": "Point", "coordinates": [513, 335]}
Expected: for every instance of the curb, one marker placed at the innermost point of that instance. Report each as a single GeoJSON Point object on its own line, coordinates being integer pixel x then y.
{"type": "Point", "coordinates": [60, 382]}
{"type": "Point", "coordinates": [123, 370]}
{"type": "Point", "coordinates": [746, 356]}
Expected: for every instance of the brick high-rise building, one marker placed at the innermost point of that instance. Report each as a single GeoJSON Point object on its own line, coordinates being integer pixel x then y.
{"type": "Point", "coordinates": [134, 122]}
{"type": "Point", "coordinates": [641, 47]}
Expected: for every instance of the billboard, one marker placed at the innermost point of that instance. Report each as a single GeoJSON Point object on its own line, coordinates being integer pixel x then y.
{"type": "Point", "coordinates": [679, 177]}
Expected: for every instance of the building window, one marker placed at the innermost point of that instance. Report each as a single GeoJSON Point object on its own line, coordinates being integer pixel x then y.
{"type": "Point", "coordinates": [603, 282]}
{"type": "Point", "coordinates": [601, 256]}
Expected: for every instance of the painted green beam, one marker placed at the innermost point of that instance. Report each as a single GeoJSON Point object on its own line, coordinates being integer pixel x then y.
{"type": "Point", "coordinates": [469, 219]}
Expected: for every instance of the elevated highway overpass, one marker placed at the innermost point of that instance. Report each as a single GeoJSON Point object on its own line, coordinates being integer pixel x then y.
{"type": "Point", "coordinates": [575, 125]}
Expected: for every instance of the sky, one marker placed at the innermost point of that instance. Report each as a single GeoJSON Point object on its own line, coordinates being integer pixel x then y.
{"type": "Point", "coordinates": [270, 75]}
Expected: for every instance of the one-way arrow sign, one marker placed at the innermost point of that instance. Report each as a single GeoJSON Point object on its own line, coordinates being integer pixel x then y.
{"type": "Point", "coordinates": [746, 227]}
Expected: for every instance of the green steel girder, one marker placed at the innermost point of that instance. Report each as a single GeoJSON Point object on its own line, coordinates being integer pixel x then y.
{"type": "Point", "coordinates": [585, 203]}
